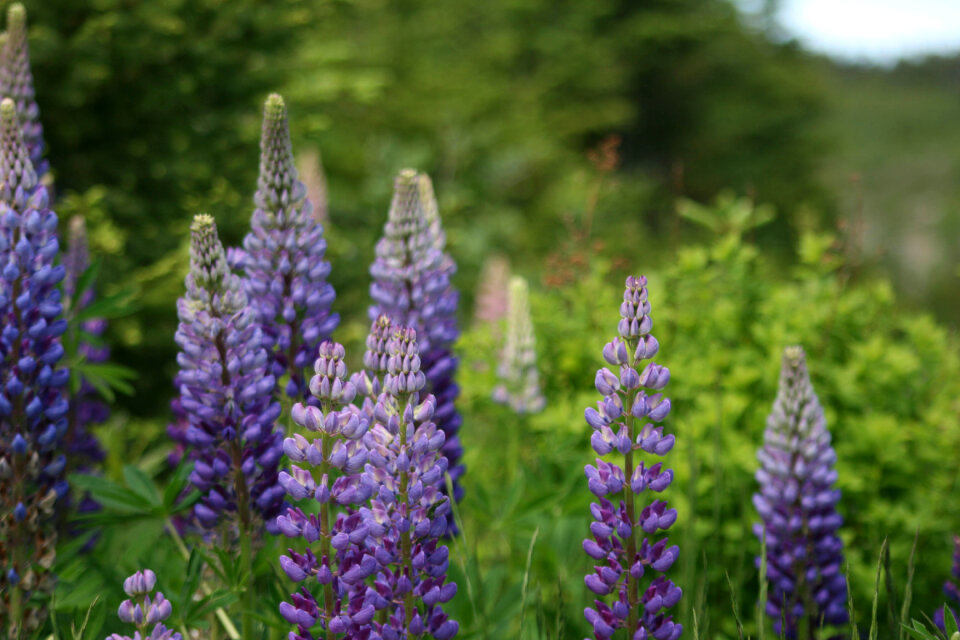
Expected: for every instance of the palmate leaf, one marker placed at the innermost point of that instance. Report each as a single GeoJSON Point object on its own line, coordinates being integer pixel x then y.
{"type": "Point", "coordinates": [109, 307]}
{"type": "Point", "coordinates": [105, 377]}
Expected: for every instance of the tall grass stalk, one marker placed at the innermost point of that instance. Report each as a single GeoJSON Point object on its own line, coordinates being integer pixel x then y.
{"type": "Point", "coordinates": [876, 593]}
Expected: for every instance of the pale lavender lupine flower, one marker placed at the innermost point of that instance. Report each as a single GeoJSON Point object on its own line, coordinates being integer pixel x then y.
{"type": "Point", "coordinates": [519, 386]}
{"type": "Point", "coordinates": [408, 516]}
{"type": "Point", "coordinates": [797, 502]}
{"type": "Point", "coordinates": [283, 259]}
{"type": "Point", "coordinates": [326, 470]}
{"type": "Point", "coordinates": [492, 301]}
{"type": "Point", "coordinates": [629, 578]}
{"type": "Point", "coordinates": [145, 611]}
{"type": "Point", "coordinates": [32, 407]}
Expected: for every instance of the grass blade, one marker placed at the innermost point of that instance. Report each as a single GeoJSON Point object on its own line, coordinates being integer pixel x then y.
{"type": "Point", "coordinates": [854, 632]}
{"type": "Point", "coordinates": [908, 589]}
{"type": "Point", "coordinates": [762, 600]}
{"type": "Point", "coordinates": [876, 593]}
{"type": "Point", "coordinates": [736, 608]}
{"type": "Point", "coordinates": [526, 580]}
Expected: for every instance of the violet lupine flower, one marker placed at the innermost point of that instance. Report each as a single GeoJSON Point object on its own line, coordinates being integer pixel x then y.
{"type": "Point", "coordinates": [520, 382]}
{"type": "Point", "coordinates": [797, 503]}
{"type": "Point", "coordinates": [623, 542]}
{"type": "Point", "coordinates": [16, 83]}
{"type": "Point", "coordinates": [326, 470]}
{"type": "Point", "coordinates": [86, 406]}
{"type": "Point", "coordinates": [408, 516]}
{"type": "Point", "coordinates": [411, 285]}
{"type": "Point", "coordinates": [283, 259]}
{"type": "Point", "coordinates": [32, 407]}
{"type": "Point", "coordinates": [145, 611]}
{"type": "Point", "coordinates": [226, 393]}
{"type": "Point", "coordinates": [950, 588]}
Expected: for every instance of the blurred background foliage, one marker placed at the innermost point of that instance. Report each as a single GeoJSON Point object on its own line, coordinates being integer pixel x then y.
{"type": "Point", "coordinates": [585, 140]}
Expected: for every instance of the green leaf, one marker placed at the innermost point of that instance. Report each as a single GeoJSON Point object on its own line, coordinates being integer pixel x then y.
{"type": "Point", "coordinates": [141, 484]}
{"type": "Point", "coordinates": [110, 494]}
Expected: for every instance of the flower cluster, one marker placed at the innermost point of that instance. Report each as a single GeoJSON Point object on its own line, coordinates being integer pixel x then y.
{"type": "Point", "coordinates": [797, 503]}
{"type": "Point", "coordinates": [86, 406]}
{"type": "Point", "coordinates": [283, 259]}
{"type": "Point", "coordinates": [32, 407]}
{"type": "Point", "coordinates": [226, 393]}
{"type": "Point", "coordinates": [378, 559]}
{"type": "Point", "coordinates": [143, 610]}
{"type": "Point", "coordinates": [16, 83]}
{"type": "Point", "coordinates": [622, 542]}
{"type": "Point", "coordinates": [327, 469]}
{"type": "Point", "coordinates": [411, 285]}
{"type": "Point", "coordinates": [951, 588]}
{"type": "Point", "coordinates": [519, 380]}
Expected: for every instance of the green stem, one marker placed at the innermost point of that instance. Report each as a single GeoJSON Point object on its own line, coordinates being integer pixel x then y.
{"type": "Point", "coordinates": [220, 613]}
{"type": "Point", "coordinates": [326, 447]}
{"type": "Point", "coordinates": [633, 590]}
{"type": "Point", "coordinates": [406, 545]}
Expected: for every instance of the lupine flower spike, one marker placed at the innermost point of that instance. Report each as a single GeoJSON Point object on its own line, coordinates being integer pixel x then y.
{"type": "Point", "coordinates": [226, 394]}
{"type": "Point", "coordinates": [326, 469]}
{"type": "Point", "coordinates": [951, 588]}
{"type": "Point", "coordinates": [408, 516]}
{"type": "Point", "coordinates": [144, 611]}
{"type": "Point", "coordinates": [283, 259]}
{"type": "Point", "coordinates": [16, 83]}
{"type": "Point", "coordinates": [633, 592]}
{"type": "Point", "coordinates": [310, 165]}
{"type": "Point", "coordinates": [32, 407]}
{"type": "Point", "coordinates": [411, 286]}
{"type": "Point", "coordinates": [797, 503]}
{"type": "Point", "coordinates": [520, 382]}
{"type": "Point", "coordinates": [493, 291]}
{"type": "Point", "coordinates": [86, 406]}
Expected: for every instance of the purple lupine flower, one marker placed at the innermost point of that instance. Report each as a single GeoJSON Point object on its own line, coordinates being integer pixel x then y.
{"type": "Point", "coordinates": [327, 469]}
{"type": "Point", "coordinates": [32, 407]}
{"type": "Point", "coordinates": [519, 386]}
{"type": "Point", "coordinates": [797, 503]}
{"type": "Point", "coordinates": [951, 588]}
{"type": "Point", "coordinates": [226, 393]}
{"type": "Point", "coordinates": [283, 259]}
{"type": "Point", "coordinates": [86, 406]}
{"type": "Point", "coordinates": [145, 611]}
{"type": "Point", "coordinates": [411, 285]}
{"type": "Point", "coordinates": [623, 543]}
{"type": "Point", "coordinates": [408, 516]}
{"type": "Point", "coordinates": [16, 83]}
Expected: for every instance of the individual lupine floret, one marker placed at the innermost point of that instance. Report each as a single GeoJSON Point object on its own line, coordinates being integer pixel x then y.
{"type": "Point", "coordinates": [226, 394]}
{"type": "Point", "coordinates": [86, 406]}
{"type": "Point", "coordinates": [144, 611]}
{"type": "Point", "coordinates": [408, 516]}
{"type": "Point", "coordinates": [411, 285]}
{"type": "Point", "coordinates": [326, 469]}
{"type": "Point", "coordinates": [797, 503]}
{"type": "Point", "coordinates": [32, 407]}
{"type": "Point", "coordinates": [283, 259]}
{"type": "Point", "coordinates": [623, 542]}
{"type": "Point", "coordinates": [16, 83]}
{"type": "Point", "coordinates": [519, 386]}
{"type": "Point", "coordinates": [951, 588]}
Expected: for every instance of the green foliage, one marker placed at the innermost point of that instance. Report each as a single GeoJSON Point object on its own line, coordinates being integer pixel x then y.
{"type": "Point", "coordinates": [887, 377]}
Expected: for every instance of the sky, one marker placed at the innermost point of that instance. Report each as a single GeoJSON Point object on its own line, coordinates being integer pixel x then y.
{"type": "Point", "coordinates": [878, 31]}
